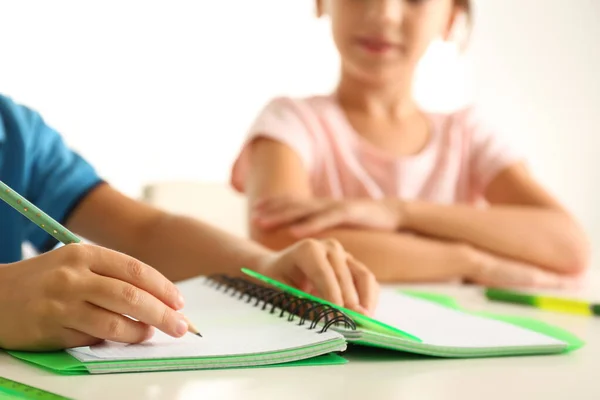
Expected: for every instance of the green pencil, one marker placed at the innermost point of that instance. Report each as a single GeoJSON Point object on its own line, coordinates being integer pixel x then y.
{"type": "Point", "coordinates": [37, 216]}
{"type": "Point", "coordinates": [544, 302]}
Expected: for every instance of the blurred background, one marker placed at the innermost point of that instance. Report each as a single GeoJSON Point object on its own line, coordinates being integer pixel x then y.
{"type": "Point", "coordinates": [163, 91]}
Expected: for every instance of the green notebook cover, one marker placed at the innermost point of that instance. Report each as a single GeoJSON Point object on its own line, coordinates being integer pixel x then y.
{"type": "Point", "coordinates": [379, 334]}
{"type": "Point", "coordinates": [573, 342]}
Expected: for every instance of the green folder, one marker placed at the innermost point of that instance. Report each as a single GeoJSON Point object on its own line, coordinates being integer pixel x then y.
{"type": "Point", "coordinates": [573, 342]}
{"type": "Point", "coordinates": [435, 325]}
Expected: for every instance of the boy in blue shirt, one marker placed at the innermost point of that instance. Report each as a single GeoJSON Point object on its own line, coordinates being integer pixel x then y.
{"type": "Point", "coordinates": [78, 294]}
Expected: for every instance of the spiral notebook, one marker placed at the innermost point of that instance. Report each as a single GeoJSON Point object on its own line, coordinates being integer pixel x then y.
{"type": "Point", "coordinates": [429, 325]}
{"type": "Point", "coordinates": [242, 325]}
{"type": "Point", "coordinates": [246, 324]}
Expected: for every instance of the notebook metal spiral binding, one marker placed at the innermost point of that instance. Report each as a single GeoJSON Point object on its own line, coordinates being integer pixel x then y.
{"type": "Point", "coordinates": [295, 307]}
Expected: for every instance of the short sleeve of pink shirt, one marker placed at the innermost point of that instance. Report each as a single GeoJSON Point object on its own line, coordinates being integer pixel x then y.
{"type": "Point", "coordinates": [279, 120]}
{"type": "Point", "coordinates": [489, 151]}
{"type": "Point", "coordinates": [462, 157]}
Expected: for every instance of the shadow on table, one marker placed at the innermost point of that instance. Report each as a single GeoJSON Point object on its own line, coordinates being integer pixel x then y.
{"type": "Point", "coordinates": [375, 354]}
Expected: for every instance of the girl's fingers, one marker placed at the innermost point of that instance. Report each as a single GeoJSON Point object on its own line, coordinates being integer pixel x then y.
{"type": "Point", "coordinates": [285, 216]}
{"type": "Point", "coordinates": [318, 222]}
{"type": "Point", "coordinates": [271, 203]}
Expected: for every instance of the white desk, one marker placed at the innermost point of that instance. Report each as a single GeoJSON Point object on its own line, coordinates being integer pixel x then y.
{"type": "Point", "coordinates": [366, 376]}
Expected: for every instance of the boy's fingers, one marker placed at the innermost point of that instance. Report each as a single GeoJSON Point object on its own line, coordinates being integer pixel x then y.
{"type": "Point", "coordinates": [103, 324]}
{"type": "Point", "coordinates": [312, 260]}
{"type": "Point", "coordinates": [122, 267]}
{"type": "Point", "coordinates": [338, 261]}
{"type": "Point", "coordinates": [366, 284]}
{"type": "Point", "coordinates": [123, 298]}
{"type": "Point", "coordinates": [70, 338]}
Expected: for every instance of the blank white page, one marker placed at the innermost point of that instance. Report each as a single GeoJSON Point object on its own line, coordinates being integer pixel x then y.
{"type": "Point", "coordinates": [442, 326]}
{"type": "Point", "coordinates": [229, 326]}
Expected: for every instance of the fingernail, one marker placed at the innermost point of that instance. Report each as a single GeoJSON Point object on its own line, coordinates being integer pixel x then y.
{"type": "Point", "coordinates": [181, 328]}
{"type": "Point", "coordinates": [362, 310]}
{"type": "Point", "coordinates": [180, 302]}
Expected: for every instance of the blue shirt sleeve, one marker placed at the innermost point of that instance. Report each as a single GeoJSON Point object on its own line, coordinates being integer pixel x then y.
{"type": "Point", "coordinates": [59, 178]}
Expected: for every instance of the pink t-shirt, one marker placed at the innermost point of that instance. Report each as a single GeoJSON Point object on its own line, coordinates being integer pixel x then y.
{"type": "Point", "coordinates": [461, 157]}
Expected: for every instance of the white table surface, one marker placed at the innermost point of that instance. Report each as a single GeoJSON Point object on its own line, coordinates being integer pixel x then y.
{"type": "Point", "coordinates": [370, 374]}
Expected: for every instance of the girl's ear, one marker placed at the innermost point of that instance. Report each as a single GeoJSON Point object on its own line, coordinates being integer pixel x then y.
{"type": "Point", "coordinates": [320, 8]}
{"type": "Point", "coordinates": [456, 16]}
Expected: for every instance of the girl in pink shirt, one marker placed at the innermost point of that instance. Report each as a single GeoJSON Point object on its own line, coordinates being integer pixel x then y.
{"type": "Point", "coordinates": [417, 196]}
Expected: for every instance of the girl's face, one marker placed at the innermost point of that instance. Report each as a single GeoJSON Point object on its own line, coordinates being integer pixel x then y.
{"type": "Point", "coordinates": [382, 41]}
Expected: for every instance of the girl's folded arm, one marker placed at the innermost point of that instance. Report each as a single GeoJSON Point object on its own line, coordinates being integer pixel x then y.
{"type": "Point", "coordinates": [523, 222]}
{"type": "Point", "coordinates": [276, 170]}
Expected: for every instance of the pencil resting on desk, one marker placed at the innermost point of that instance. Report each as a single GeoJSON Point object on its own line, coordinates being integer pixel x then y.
{"type": "Point", "coordinates": [544, 301]}
{"type": "Point", "coordinates": [50, 225]}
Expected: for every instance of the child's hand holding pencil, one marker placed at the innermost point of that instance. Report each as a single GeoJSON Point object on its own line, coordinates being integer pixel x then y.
{"type": "Point", "coordinates": [80, 294]}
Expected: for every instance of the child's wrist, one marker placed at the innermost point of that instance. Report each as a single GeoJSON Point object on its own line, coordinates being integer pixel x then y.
{"type": "Point", "coordinates": [258, 260]}
{"type": "Point", "coordinates": [397, 209]}
{"type": "Point", "coordinates": [467, 260]}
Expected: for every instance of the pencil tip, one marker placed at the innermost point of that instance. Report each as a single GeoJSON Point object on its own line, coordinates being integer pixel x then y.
{"type": "Point", "coordinates": [198, 334]}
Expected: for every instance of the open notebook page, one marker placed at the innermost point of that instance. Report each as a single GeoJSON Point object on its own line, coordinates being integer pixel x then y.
{"type": "Point", "coordinates": [442, 326]}
{"type": "Point", "coordinates": [229, 326]}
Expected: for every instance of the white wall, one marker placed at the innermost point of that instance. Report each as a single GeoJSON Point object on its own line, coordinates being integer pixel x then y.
{"type": "Point", "coordinates": [537, 69]}
{"type": "Point", "coordinates": [169, 87]}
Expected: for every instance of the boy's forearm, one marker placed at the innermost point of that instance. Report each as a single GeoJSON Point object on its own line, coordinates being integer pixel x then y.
{"type": "Point", "coordinates": [392, 257]}
{"type": "Point", "coordinates": [547, 238]}
{"type": "Point", "coordinates": [181, 248]}
{"type": "Point", "coordinates": [177, 246]}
